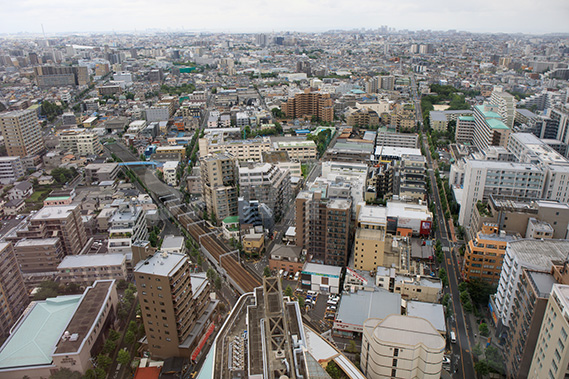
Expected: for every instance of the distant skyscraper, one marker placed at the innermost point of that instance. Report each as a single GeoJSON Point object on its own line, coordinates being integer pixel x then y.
{"type": "Point", "coordinates": [262, 40]}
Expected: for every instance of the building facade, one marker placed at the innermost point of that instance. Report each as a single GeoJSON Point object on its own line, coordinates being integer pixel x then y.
{"type": "Point", "coordinates": [22, 133]}
{"type": "Point", "coordinates": [310, 104]}
{"type": "Point", "coordinates": [219, 184]}
{"type": "Point", "coordinates": [13, 294]}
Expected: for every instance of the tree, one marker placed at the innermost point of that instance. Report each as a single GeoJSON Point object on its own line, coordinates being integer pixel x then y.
{"type": "Point", "coordinates": [301, 302]}
{"type": "Point", "coordinates": [288, 291]}
{"type": "Point", "coordinates": [103, 361]}
{"type": "Point", "coordinates": [480, 291]}
{"type": "Point", "coordinates": [334, 370]}
{"type": "Point", "coordinates": [130, 337]}
{"type": "Point", "coordinates": [109, 346]}
{"type": "Point", "coordinates": [481, 367]}
{"type": "Point", "coordinates": [65, 373]}
{"type": "Point", "coordinates": [47, 289]}
{"type": "Point", "coordinates": [121, 284]}
{"type": "Point", "coordinates": [352, 348]}
{"type": "Point", "coordinates": [217, 283]}
{"type": "Point", "coordinates": [123, 357]}
{"type": "Point", "coordinates": [266, 271]}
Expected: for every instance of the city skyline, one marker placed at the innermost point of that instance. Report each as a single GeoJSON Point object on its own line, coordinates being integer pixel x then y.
{"type": "Point", "coordinates": [299, 15]}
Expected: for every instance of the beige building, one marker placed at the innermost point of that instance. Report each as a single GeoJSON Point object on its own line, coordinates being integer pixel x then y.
{"type": "Point", "coordinates": [22, 133]}
{"type": "Point", "coordinates": [299, 150]}
{"type": "Point", "coordinates": [411, 287]}
{"type": "Point", "coordinates": [87, 268]}
{"type": "Point", "coordinates": [175, 306]}
{"type": "Point", "coordinates": [38, 255]}
{"type": "Point", "coordinates": [13, 294]}
{"type": "Point", "coordinates": [245, 150]}
{"type": "Point", "coordinates": [310, 104]}
{"type": "Point", "coordinates": [219, 183]}
{"type": "Point", "coordinates": [551, 356]}
{"type": "Point", "coordinates": [80, 142]}
{"type": "Point", "coordinates": [372, 243]}
{"type": "Point", "coordinates": [401, 347]}
{"type": "Point", "coordinates": [99, 172]}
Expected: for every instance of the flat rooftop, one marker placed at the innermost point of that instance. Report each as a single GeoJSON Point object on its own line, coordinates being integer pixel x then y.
{"type": "Point", "coordinates": [161, 264]}
{"type": "Point", "coordinates": [542, 281]}
{"type": "Point", "coordinates": [407, 330]}
{"type": "Point", "coordinates": [31, 242]}
{"type": "Point", "coordinates": [35, 336]}
{"type": "Point", "coordinates": [318, 269]}
{"type": "Point", "coordinates": [434, 313]}
{"type": "Point", "coordinates": [55, 212]}
{"type": "Point", "coordinates": [86, 315]}
{"type": "Point", "coordinates": [539, 254]}
{"type": "Point", "coordinates": [355, 308]}
{"type": "Point", "coordinates": [91, 260]}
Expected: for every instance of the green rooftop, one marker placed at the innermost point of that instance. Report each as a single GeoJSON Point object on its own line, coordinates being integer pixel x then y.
{"type": "Point", "coordinates": [466, 118]}
{"type": "Point", "coordinates": [496, 124]}
{"type": "Point", "coordinates": [34, 339]}
{"type": "Point", "coordinates": [487, 114]}
{"type": "Point", "coordinates": [231, 220]}
{"type": "Point", "coordinates": [53, 198]}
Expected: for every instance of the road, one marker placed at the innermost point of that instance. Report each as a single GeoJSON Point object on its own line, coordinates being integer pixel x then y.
{"type": "Point", "coordinates": [462, 362]}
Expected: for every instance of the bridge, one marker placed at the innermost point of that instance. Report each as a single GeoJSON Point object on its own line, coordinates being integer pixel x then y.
{"type": "Point", "coordinates": [140, 163]}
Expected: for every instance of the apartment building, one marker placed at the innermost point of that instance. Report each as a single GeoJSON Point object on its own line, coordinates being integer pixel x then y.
{"type": "Point", "coordinates": [60, 76]}
{"type": "Point", "coordinates": [298, 150]}
{"type": "Point", "coordinates": [551, 358]}
{"type": "Point", "coordinates": [310, 104]}
{"type": "Point", "coordinates": [531, 297]}
{"type": "Point", "coordinates": [245, 150]}
{"type": "Point", "coordinates": [59, 221]}
{"type": "Point", "coordinates": [85, 269]}
{"type": "Point", "coordinates": [22, 133]}
{"type": "Point", "coordinates": [170, 171]}
{"type": "Point", "coordinates": [401, 347]}
{"type": "Point", "coordinates": [126, 226]}
{"type": "Point", "coordinates": [464, 132]}
{"type": "Point", "coordinates": [80, 142]}
{"type": "Point", "coordinates": [169, 153]}
{"type": "Point", "coordinates": [438, 121]}
{"type": "Point", "coordinates": [323, 223]}
{"type": "Point", "coordinates": [266, 183]}
{"type": "Point", "coordinates": [175, 306]}
{"type": "Point", "coordinates": [13, 294]}
{"type": "Point", "coordinates": [100, 172]}
{"type": "Point", "coordinates": [489, 129]}
{"type": "Point", "coordinates": [506, 106]}
{"type": "Point", "coordinates": [11, 169]}
{"type": "Point", "coordinates": [363, 117]}
{"type": "Point", "coordinates": [484, 178]}
{"type": "Point", "coordinates": [485, 253]}
{"type": "Point", "coordinates": [411, 287]}
{"type": "Point", "coordinates": [220, 179]}
{"type": "Point", "coordinates": [371, 239]}
{"type": "Point", "coordinates": [388, 138]}
{"type": "Point", "coordinates": [539, 255]}
{"type": "Point", "coordinates": [38, 255]}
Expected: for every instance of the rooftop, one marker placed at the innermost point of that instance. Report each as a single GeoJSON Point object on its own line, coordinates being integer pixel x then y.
{"type": "Point", "coordinates": [35, 336]}
{"type": "Point", "coordinates": [161, 264]}
{"type": "Point", "coordinates": [314, 268]}
{"type": "Point", "coordinates": [55, 212]}
{"type": "Point", "coordinates": [542, 282]}
{"type": "Point", "coordinates": [357, 307]}
{"type": "Point", "coordinates": [91, 260]}
{"type": "Point", "coordinates": [406, 330]}
{"type": "Point", "coordinates": [434, 313]}
{"type": "Point", "coordinates": [539, 254]}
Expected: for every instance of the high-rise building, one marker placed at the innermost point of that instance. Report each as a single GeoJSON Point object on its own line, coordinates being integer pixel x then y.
{"type": "Point", "coordinates": [506, 106]}
{"type": "Point", "coordinates": [219, 182]}
{"type": "Point", "coordinates": [61, 221]}
{"type": "Point", "coordinates": [80, 142]}
{"type": "Point", "coordinates": [262, 40]}
{"type": "Point", "coordinates": [31, 262]}
{"type": "Point", "coordinates": [323, 223]}
{"type": "Point", "coordinates": [22, 133]}
{"type": "Point", "coordinates": [551, 357]}
{"type": "Point", "coordinates": [266, 183]}
{"type": "Point", "coordinates": [310, 104]}
{"type": "Point", "coordinates": [489, 129]}
{"type": "Point", "coordinates": [58, 76]}
{"type": "Point", "coordinates": [175, 305]}
{"type": "Point", "coordinates": [401, 347]}
{"type": "Point", "coordinates": [13, 295]}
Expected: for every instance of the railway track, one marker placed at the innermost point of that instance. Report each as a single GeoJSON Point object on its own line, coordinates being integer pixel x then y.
{"type": "Point", "coordinates": [199, 232]}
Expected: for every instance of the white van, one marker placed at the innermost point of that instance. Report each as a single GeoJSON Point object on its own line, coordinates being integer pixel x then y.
{"type": "Point", "coordinates": [452, 337]}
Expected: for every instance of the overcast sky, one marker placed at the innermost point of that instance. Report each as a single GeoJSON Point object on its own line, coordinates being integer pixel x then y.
{"type": "Point", "coordinates": [526, 16]}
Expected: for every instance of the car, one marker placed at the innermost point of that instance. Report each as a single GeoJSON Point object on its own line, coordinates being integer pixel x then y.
{"type": "Point", "coordinates": [446, 360]}
{"type": "Point", "coordinates": [291, 276]}
{"type": "Point", "coordinates": [331, 308]}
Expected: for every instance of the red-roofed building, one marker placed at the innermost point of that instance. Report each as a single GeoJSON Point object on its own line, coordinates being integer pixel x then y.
{"type": "Point", "coordinates": [147, 373]}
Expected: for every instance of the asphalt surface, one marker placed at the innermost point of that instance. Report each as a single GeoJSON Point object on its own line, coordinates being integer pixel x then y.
{"type": "Point", "coordinates": [462, 363]}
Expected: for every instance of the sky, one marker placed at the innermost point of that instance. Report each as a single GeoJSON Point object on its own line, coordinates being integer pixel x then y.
{"type": "Point", "coordinates": [508, 16]}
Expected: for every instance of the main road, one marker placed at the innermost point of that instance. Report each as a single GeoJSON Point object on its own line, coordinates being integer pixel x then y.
{"type": "Point", "coordinates": [462, 363]}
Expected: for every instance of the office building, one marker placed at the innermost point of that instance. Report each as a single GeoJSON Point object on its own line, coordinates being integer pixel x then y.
{"type": "Point", "coordinates": [38, 255]}
{"type": "Point", "coordinates": [484, 254]}
{"type": "Point", "coordinates": [266, 183]}
{"type": "Point", "coordinates": [506, 106]}
{"type": "Point", "coordinates": [220, 179]}
{"type": "Point", "coordinates": [175, 306]}
{"type": "Point", "coordinates": [401, 347]}
{"type": "Point", "coordinates": [22, 133]}
{"type": "Point", "coordinates": [81, 142]}
{"type": "Point", "coordinates": [13, 294]}
{"type": "Point", "coordinates": [323, 223]}
{"type": "Point", "coordinates": [489, 129]}
{"type": "Point", "coordinates": [310, 104]}
{"type": "Point", "coordinates": [60, 332]}
{"type": "Point", "coordinates": [11, 169]}
{"type": "Point", "coordinates": [551, 358]}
